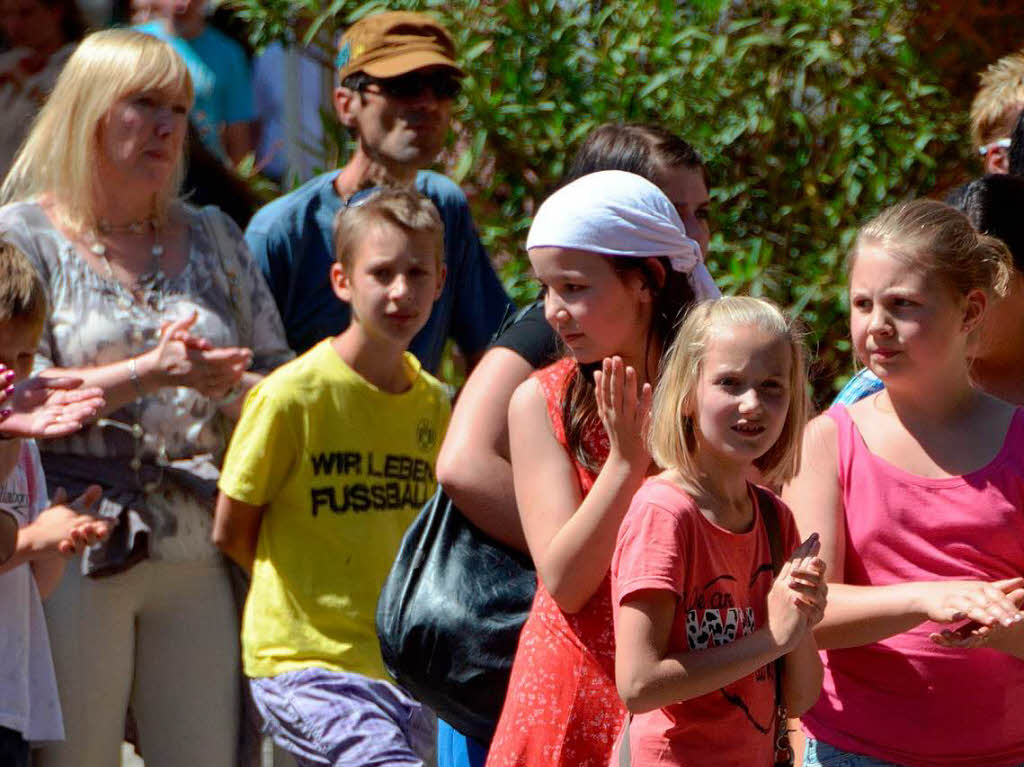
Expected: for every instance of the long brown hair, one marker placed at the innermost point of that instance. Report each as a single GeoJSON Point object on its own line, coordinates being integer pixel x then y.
{"type": "Point", "coordinates": [673, 297]}
{"type": "Point", "coordinates": [646, 151]}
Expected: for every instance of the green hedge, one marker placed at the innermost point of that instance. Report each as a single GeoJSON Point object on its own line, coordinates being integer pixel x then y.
{"type": "Point", "coordinates": [812, 116]}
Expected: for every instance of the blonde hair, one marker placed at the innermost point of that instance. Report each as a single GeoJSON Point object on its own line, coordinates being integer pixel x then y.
{"type": "Point", "coordinates": [940, 240]}
{"type": "Point", "coordinates": [60, 155]}
{"type": "Point", "coordinates": [999, 100]}
{"type": "Point", "coordinates": [405, 208]}
{"type": "Point", "coordinates": [672, 436]}
{"type": "Point", "coordinates": [22, 295]}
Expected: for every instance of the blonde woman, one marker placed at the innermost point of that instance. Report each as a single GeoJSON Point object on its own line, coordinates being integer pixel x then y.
{"type": "Point", "coordinates": [159, 305]}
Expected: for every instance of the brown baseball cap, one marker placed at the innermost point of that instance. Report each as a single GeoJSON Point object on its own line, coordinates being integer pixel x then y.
{"type": "Point", "coordinates": [392, 43]}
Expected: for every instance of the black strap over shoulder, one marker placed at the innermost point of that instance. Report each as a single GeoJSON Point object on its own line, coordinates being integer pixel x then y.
{"type": "Point", "coordinates": [770, 514]}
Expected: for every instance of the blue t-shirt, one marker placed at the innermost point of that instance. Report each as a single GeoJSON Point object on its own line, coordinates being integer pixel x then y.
{"type": "Point", "coordinates": [291, 241]}
{"type": "Point", "coordinates": [863, 384]}
{"type": "Point", "coordinates": [220, 79]}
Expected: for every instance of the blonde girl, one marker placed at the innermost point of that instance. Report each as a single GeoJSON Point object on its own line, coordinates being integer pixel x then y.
{"type": "Point", "coordinates": [700, 617]}
{"type": "Point", "coordinates": [917, 492]}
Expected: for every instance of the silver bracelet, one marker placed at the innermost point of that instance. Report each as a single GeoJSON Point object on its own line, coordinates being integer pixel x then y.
{"type": "Point", "coordinates": [133, 376]}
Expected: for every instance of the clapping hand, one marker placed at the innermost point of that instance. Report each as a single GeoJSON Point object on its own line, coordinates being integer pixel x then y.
{"type": "Point", "coordinates": [624, 407]}
{"type": "Point", "coordinates": [183, 359]}
{"type": "Point", "coordinates": [68, 528]}
{"type": "Point", "coordinates": [993, 634]}
{"type": "Point", "coordinates": [982, 602]}
{"type": "Point", "coordinates": [797, 598]}
{"type": "Point", "coordinates": [49, 407]}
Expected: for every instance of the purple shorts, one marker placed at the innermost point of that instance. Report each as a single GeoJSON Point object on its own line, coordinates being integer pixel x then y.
{"type": "Point", "coordinates": [333, 718]}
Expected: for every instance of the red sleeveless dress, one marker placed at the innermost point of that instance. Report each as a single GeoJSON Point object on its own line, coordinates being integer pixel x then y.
{"type": "Point", "coordinates": [562, 707]}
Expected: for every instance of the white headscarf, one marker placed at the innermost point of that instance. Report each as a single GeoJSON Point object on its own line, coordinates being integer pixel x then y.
{"type": "Point", "coordinates": [620, 214]}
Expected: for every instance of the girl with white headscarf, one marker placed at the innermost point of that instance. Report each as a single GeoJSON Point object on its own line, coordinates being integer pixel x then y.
{"type": "Point", "coordinates": [618, 272]}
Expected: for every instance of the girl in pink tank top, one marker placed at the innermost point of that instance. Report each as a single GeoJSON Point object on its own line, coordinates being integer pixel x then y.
{"type": "Point", "coordinates": [918, 495]}
{"type": "Point", "coordinates": [618, 271]}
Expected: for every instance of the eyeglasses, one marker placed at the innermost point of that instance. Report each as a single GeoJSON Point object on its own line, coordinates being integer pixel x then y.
{"type": "Point", "coordinates": [1003, 143]}
{"type": "Point", "coordinates": [443, 84]}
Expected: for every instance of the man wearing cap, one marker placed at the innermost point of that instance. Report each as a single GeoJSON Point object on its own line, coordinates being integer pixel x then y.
{"type": "Point", "coordinates": [398, 79]}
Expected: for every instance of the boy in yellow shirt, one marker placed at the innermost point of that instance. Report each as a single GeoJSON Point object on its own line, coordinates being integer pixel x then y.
{"type": "Point", "coordinates": [331, 460]}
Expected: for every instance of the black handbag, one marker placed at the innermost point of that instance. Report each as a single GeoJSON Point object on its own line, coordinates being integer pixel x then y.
{"type": "Point", "coordinates": [450, 614]}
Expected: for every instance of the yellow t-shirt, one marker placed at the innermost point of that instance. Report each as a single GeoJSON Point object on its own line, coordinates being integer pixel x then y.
{"type": "Point", "coordinates": [342, 469]}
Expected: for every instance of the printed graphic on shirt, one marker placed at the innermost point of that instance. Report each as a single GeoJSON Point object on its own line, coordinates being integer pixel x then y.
{"type": "Point", "coordinates": [381, 482]}
{"type": "Point", "coordinates": [714, 619]}
{"type": "Point", "coordinates": [13, 500]}
{"type": "Point", "coordinates": [426, 435]}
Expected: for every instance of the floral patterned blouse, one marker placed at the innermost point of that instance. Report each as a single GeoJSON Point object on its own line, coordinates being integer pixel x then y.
{"type": "Point", "coordinates": [94, 320]}
{"type": "Point", "coordinates": [562, 708]}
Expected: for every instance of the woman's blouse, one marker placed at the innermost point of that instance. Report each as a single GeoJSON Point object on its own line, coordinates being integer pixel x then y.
{"type": "Point", "coordinates": [94, 320]}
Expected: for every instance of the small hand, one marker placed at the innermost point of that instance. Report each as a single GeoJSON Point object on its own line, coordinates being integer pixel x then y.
{"type": "Point", "coordinates": [51, 407]}
{"type": "Point", "coordinates": [623, 410]}
{"type": "Point", "coordinates": [807, 579]}
{"type": "Point", "coordinates": [980, 601]}
{"type": "Point", "coordinates": [998, 636]}
{"type": "Point", "coordinates": [186, 360]}
{"type": "Point", "coordinates": [793, 603]}
{"type": "Point", "coordinates": [972, 634]}
{"type": "Point", "coordinates": [68, 528]}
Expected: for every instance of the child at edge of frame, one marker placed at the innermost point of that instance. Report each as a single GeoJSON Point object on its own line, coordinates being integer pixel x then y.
{"type": "Point", "coordinates": [36, 538]}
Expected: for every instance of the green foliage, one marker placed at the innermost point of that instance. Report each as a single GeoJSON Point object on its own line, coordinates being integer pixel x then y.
{"type": "Point", "coordinates": [812, 115]}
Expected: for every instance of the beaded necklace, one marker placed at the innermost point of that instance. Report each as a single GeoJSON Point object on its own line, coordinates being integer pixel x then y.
{"type": "Point", "coordinates": [153, 298]}
{"type": "Point", "coordinates": [150, 298]}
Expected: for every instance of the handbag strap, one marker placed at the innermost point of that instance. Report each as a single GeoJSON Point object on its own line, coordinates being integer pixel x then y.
{"type": "Point", "coordinates": [770, 515]}
{"type": "Point", "coordinates": [766, 505]}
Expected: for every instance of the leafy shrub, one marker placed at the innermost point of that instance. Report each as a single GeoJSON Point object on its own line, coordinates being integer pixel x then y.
{"type": "Point", "coordinates": [812, 115]}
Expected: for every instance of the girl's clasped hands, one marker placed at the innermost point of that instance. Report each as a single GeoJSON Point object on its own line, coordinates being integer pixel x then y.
{"type": "Point", "coordinates": [989, 613]}
{"type": "Point", "coordinates": [796, 601]}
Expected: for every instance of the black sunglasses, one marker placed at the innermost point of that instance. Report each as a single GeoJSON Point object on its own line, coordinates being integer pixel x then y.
{"type": "Point", "coordinates": [405, 87]}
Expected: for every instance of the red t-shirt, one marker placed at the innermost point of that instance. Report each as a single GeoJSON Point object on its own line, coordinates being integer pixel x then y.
{"type": "Point", "coordinates": [721, 579]}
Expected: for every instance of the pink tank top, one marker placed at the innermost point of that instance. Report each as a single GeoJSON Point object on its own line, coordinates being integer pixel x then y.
{"type": "Point", "coordinates": [905, 699]}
